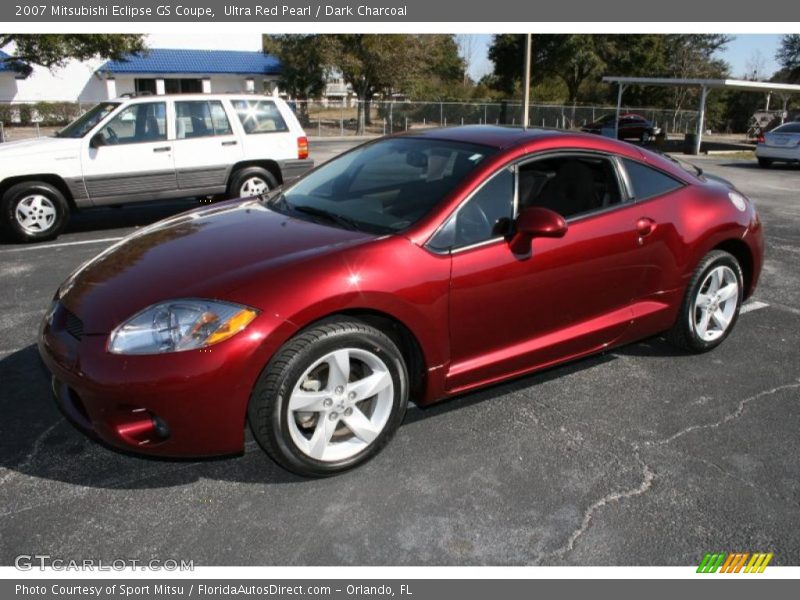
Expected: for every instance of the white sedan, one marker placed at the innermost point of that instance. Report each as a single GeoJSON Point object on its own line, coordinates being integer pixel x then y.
{"type": "Point", "coordinates": [780, 144]}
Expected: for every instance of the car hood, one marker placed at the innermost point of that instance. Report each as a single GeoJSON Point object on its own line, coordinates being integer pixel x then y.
{"type": "Point", "coordinates": [205, 253]}
{"type": "Point", "coordinates": [40, 146]}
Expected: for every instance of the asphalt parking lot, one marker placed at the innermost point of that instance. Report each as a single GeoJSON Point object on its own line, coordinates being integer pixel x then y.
{"type": "Point", "coordinates": [641, 456]}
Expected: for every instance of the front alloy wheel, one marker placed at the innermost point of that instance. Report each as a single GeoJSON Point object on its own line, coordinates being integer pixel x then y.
{"type": "Point", "coordinates": [330, 398]}
{"type": "Point", "coordinates": [710, 305]}
{"type": "Point", "coordinates": [36, 214]}
{"type": "Point", "coordinates": [715, 303]}
{"type": "Point", "coordinates": [340, 405]}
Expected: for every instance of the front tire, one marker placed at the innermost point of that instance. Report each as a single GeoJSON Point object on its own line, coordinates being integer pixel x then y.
{"type": "Point", "coordinates": [765, 163]}
{"type": "Point", "coordinates": [34, 211]}
{"type": "Point", "coordinates": [330, 399]}
{"type": "Point", "coordinates": [711, 304]}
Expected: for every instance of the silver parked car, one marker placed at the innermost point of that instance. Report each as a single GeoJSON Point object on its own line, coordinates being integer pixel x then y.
{"type": "Point", "coordinates": [781, 144]}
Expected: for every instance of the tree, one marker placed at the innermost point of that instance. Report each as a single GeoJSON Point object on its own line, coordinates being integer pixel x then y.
{"type": "Point", "coordinates": [54, 50]}
{"type": "Point", "coordinates": [440, 69]}
{"type": "Point", "coordinates": [572, 58]}
{"type": "Point", "coordinates": [466, 49]}
{"type": "Point", "coordinates": [303, 67]}
{"type": "Point", "coordinates": [788, 56]}
{"type": "Point", "coordinates": [372, 63]}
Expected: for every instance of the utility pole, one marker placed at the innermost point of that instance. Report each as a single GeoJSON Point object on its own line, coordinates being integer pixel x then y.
{"type": "Point", "coordinates": [526, 81]}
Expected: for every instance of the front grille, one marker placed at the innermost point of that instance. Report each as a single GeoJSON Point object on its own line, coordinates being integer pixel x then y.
{"type": "Point", "coordinates": [73, 325]}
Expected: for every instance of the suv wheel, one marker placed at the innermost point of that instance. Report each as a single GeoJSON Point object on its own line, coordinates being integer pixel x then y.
{"type": "Point", "coordinates": [251, 181]}
{"type": "Point", "coordinates": [330, 399]}
{"type": "Point", "coordinates": [764, 163]}
{"type": "Point", "coordinates": [33, 211]}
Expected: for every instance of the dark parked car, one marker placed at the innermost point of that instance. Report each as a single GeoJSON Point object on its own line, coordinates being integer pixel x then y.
{"type": "Point", "coordinates": [631, 127]}
{"type": "Point", "coordinates": [419, 266]}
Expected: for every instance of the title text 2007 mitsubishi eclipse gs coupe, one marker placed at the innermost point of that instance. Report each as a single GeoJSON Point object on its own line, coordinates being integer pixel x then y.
{"type": "Point", "coordinates": [418, 266]}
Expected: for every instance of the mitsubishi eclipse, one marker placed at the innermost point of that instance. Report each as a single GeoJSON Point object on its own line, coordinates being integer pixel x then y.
{"type": "Point", "coordinates": [418, 267]}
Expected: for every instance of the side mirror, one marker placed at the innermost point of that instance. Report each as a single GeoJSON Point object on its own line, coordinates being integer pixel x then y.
{"type": "Point", "coordinates": [96, 141]}
{"type": "Point", "coordinates": [536, 222]}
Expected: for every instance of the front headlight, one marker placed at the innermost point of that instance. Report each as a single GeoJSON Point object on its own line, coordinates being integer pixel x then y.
{"type": "Point", "coordinates": [177, 325]}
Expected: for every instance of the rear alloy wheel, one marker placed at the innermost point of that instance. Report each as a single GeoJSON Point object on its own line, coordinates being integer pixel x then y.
{"type": "Point", "coordinates": [330, 399]}
{"type": "Point", "coordinates": [250, 182]}
{"type": "Point", "coordinates": [34, 211]}
{"type": "Point", "coordinates": [711, 305]}
{"type": "Point", "coordinates": [764, 163]}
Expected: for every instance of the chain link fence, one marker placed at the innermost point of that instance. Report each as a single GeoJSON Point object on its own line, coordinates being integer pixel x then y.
{"type": "Point", "coordinates": [329, 119]}
{"type": "Point", "coordinates": [325, 119]}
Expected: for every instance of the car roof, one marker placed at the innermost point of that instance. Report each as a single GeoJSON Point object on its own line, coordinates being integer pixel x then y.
{"type": "Point", "coordinates": [496, 136]}
{"type": "Point", "coordinates": [197, 96]}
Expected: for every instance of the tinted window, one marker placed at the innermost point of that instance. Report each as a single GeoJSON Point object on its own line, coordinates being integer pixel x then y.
{"type": "Point", "coordinates": [144, 122]}
{"type": "Point", "coordinates": [648, 182]}
{"type": "Point", "coordinates": [259, 116]}
{"type": "Point", "coordinates": [569, 185]}
{"type": "Point", "coordinates": [387, 185]}
{"type": "Point", "coordinates": [485, 216]}
{"type": "Point", "coordinates": [200, 118]}
{"type": "Point", "coordinates": [787, 128]}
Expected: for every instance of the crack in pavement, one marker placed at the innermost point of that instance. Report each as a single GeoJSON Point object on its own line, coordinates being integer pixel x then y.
{"type": "Point", "coordinates": [648, 477]}
{"type": "Point", "coordinates": [727, 418]}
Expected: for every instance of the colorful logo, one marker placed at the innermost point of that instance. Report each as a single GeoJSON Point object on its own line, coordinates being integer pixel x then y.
{"type": "Point", "coordinates": [734, 562]}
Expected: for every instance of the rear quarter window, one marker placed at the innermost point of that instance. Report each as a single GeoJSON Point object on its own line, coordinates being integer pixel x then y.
{"type": "Point", "coordinates": [788, 128]}
{"type": "Point", "coordinates": [259, 116]}
{"type": "Point", "coordinates": [648, 182]}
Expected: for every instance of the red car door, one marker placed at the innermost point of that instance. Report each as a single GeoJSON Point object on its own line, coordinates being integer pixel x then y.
{"type": "Point", "coordinates": [572, 295]}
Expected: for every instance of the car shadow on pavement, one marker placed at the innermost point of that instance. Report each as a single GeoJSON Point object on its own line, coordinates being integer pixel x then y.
{"type": "Point", "coordinates": [36, 441]}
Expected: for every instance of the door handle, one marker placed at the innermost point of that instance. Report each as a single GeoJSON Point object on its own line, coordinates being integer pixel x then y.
{"type": "Point", "coordinates": [230, 143]}
{"type": "Point", "coordinates": [162, 149]}
{"type": "Point", "coordinates": [645, 226]}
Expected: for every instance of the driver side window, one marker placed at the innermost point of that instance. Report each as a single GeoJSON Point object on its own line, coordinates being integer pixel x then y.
{"type": "Point", "coordinates": [485, 216]}
{"type": "Point", "coordinates": [145, 122]}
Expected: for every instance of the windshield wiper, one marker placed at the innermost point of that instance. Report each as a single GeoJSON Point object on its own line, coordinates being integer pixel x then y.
{"type": "Point", "coordinates": [329, 216]}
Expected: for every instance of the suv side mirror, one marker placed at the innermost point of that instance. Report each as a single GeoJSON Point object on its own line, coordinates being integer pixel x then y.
{"type": "Point", "coordinates": [534, 222]}
{"type": "Point", "coordinates": [96, 141]}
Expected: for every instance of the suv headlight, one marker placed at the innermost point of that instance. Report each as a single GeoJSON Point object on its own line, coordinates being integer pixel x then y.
{"type": "Point", "coordinates": [178, 325]}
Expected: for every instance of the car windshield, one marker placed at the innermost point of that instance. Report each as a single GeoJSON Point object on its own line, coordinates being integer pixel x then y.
{"type": "Point", "coordinates": [382, 187]}
{"type": "Point", "coordinates": [86, 122]}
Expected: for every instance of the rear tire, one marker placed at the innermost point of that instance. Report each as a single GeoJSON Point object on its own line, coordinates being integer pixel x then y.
{"type": "Point", "coordinates": [710, 305]}
{"type": "Point", "coordinates": [765, 163]}
{"type": "Point", "coordinates": [250, 182]}
{"type": "Point", "coordinates": [34, 211]}
{"type": "Point", "coordinates": [330, 399]}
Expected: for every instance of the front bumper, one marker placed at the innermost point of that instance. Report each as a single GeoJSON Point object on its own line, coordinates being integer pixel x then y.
{"type": "Point", "coordinates": [179, 404]}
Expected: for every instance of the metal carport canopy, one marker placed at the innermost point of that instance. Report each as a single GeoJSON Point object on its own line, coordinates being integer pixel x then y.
{"type": "Point", "coordinates": [785, 90]}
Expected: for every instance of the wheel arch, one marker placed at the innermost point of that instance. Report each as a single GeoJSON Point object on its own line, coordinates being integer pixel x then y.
{"type": "Point", "coordinates": [400, 333]}
{"type": "Point", "coordinates": [51, 178]}
{"type": "Point", "coordinates": [742, 253]}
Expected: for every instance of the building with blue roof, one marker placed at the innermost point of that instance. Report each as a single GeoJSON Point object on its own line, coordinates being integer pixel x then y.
{"type": "Point", "coordinates": [157, 71]}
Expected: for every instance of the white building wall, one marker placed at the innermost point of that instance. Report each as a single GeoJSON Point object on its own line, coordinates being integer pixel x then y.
{"type": "Point", "coordinates": [75, 82]}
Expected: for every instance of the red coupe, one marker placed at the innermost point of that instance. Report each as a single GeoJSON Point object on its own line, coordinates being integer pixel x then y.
{"type": "Point", "coordinates": [413, 267]}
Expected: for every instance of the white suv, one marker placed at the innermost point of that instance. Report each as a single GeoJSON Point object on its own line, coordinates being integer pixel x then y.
{"type": "Point", "coordinates": [149, 148]}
